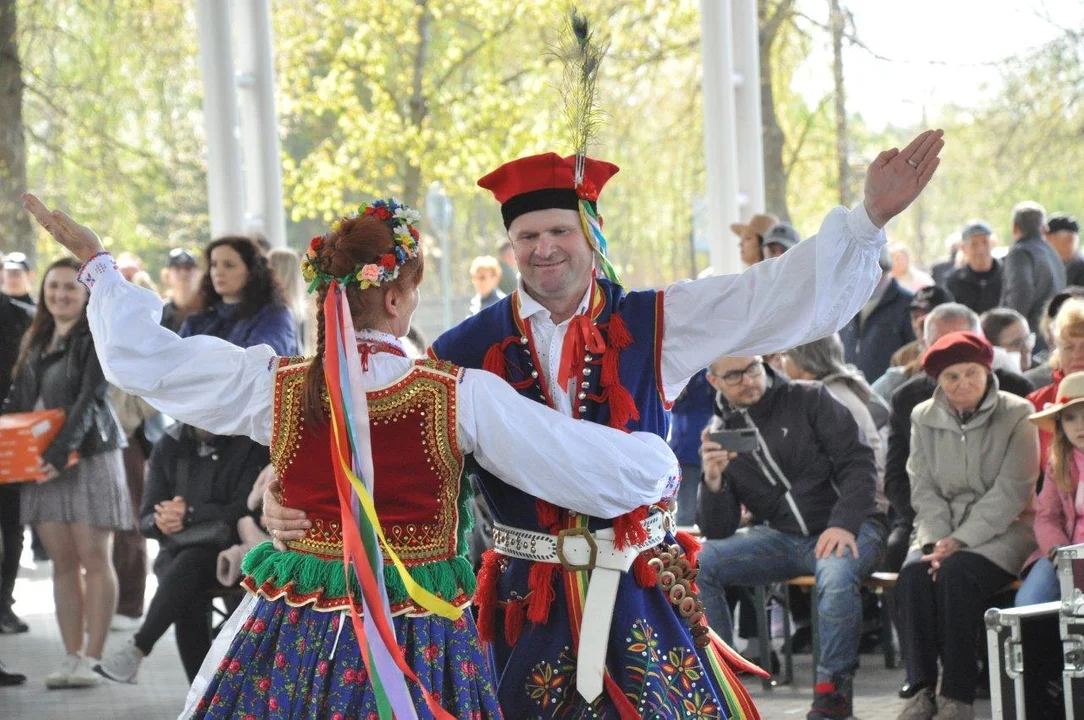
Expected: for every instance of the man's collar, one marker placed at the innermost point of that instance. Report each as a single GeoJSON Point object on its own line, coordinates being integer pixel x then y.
{"type": "Point", "coordinates": [529, 307]}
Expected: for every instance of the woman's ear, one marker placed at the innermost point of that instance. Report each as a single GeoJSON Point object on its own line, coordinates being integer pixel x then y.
{"type": "Point", "coordinates": [393, 301]}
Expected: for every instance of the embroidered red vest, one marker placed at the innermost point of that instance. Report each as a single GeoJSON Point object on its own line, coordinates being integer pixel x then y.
{"type": "Point", "coordinates": [423, 506]}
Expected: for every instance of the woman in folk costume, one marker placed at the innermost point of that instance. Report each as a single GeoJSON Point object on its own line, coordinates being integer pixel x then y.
{"type": "Point", "coordinates": [363, 617]}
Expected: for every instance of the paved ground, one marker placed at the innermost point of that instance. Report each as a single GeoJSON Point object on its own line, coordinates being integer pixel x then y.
{"type": "Point", "coordinates": [160, 692]}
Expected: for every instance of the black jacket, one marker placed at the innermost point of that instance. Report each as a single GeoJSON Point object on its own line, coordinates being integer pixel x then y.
{"type": "Point", "coordinates": [1033, 273]}
{"type": "Point", "coordinates": [907, 397]}
{"type": "Point", "coordinates": [15, 318]}
{"type": "Point", "coordinates": [1074, 270]}
{"type": "Point", "coordinates": [978, 291]}
{"type": "Point", "coordinates": [887, 329]}
{"type": "Point", "coordinates": [69, 378]}
{"type": "Point", "coordinates": [808, 440]}
{"type": "Point", "coordinates": [221, 472]}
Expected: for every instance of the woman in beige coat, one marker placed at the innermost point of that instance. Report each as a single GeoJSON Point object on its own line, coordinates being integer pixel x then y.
{"type": "Point", "coordinates": [974, 460]}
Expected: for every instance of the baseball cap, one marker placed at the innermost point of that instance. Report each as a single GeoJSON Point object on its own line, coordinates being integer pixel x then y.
{"type": "Point", "coordinates": [16, 261]}
{"type": "Point", "coordinates": [930, 297]}
{"type": "Point", "coordinates": [761, 223]}
{"type": "Point", "coordinates": [1062, 221]}
{"type": "Point", "coordinates": [975, 227]}
{"type": "Point", "coordinates": [179, 257]}
{"type": "Point", "coordinates": [1059, 298]}
{"type": "Point", "coordinates": [782, 234]}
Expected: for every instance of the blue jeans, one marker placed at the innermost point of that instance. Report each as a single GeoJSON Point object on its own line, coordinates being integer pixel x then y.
{"type": "Point", "coordinates": [760, 555]}
{"type": "Point", "coordinates": [1041, 584]}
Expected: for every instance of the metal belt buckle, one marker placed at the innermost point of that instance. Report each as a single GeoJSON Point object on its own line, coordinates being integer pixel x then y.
{"type": "Point", "coordinates": [586, 535]}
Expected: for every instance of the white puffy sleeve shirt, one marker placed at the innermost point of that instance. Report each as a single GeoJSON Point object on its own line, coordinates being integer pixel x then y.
{"type": "Point", "coordinates": [227, 390]}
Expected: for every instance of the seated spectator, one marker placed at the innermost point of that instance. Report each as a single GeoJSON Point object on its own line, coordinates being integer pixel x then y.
{"type": "Point", "coordinates": [1066, 359]}
{"type": "Point", "coordinates": [972, 520]}
{"type": "Point", "coordinates": [197, 490]}
{"type": "Point", "coordinates": [691, 413]}
{"type": "Point", "coordinates": [286, 265]}
{"type": "Point", "coordinates": [881, 327]}
{"type": "Point", "coordinates": [908, 360]}
{"type": "Point", "coordinates": [1043, 374]}
{"type": "Point", "coordinates": [751, 237]}
{"type": "Point", "coordinates": [241, 300]}
{"type": "Point", "coordinates": [485, 275]}
{"type": "Point", "coordinates": [810, 488]}
{"type": "Point", "coordinates": [977, 283]}
{"type": "Point", "coordinates": [779, 239]}
{"type": "Point", "coordinates": [909, 276]}
{"type": "Point", "coordinates": [183, 286]}
{"type": "Point", "coordinates": [1005, 328]}
{"type": "Point", "coordinates": [1058, 520]}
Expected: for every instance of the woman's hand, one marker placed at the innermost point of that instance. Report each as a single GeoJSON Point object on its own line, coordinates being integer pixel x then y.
{"type": "Point", "coordinates": [282, 523]}
{"type": "Point", "coordinates": [942, 549]}
{"type": "Point", "coordinates": [79, 239]}
{"type": "Point", "coordinates": [169, 515]}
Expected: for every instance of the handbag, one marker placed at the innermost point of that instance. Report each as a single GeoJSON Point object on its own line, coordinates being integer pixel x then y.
{"type": "Point", "coordinates": [215, 533]}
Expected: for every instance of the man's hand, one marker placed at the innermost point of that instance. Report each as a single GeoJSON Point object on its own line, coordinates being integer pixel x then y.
{"type": "Point", "coordinates": [79, 239]}
{"type": "Point", "coordinates": [284, 524]}
{"type": "Point", "coordinates": [713, 460]}
{"type": "Point", "coordinates": [896, 177]}
{"type": "Point", "coordinates": [836, 540]}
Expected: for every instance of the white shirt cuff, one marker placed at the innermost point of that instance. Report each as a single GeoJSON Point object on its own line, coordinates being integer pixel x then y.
{"type": "Point", "coordinates": [99, 267]}
{"type": "Point", "coordinates": [862, 228]}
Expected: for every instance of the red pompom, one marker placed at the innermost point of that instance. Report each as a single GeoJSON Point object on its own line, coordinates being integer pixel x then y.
{"type": "Point", "coordinates": [382, 213]}
{"type": "Point", "coordinates": [485, 596]}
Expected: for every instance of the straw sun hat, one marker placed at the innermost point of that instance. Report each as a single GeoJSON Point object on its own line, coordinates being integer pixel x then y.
{"type": "Point", "coordinates": [1070, 392]}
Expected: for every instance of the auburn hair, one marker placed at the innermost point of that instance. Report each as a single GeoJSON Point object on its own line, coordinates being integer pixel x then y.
{"type": "Point", "coordinates": [357, 241]}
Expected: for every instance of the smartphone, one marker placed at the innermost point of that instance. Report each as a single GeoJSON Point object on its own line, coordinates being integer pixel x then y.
{"type": "Point", "coordinates": [743, 440]}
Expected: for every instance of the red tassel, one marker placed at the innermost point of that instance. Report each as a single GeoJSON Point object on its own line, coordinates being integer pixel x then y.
{"type": "Point", "coordinates": [622, 407]}
{"type": "Point", "coordinates": [645, 574]}
{"type": "Point", "coordinates": [514, 613]}
{"type": "Point", "coordinates": [629, 528]}
{"type": "Point", "coordinates": [548, 514]}
{"type": "Point", "coordinates": [625, 709]}
{"type": "Point", "coordinates": [690, 545]}
{"type": "Point", "coordinates": [618, 334]}
{"type": "Point", "coordinates": [540, 582]}
{"type": "Point", "coordinates": [610, 368]}
{"type": "Point", "coordinates": [485, 596]}
{"type": "Point", "coordinates": [495, 361]}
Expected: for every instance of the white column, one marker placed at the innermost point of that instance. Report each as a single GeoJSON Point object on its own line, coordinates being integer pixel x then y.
{"type": "Point", "coordinates": [750, 137]}
{"type": "Point", "coordinates": [720, 134]}
{"type": "Point", "coordinates": [224, 178]}
{"type": "Point", "coordinates": [259, 121]}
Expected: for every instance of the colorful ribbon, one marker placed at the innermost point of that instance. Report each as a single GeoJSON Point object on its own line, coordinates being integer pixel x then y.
{"type": "Point", "coordinates": [592, 228]}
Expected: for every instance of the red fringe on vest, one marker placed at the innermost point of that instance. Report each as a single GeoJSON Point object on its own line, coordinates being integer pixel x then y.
{"type": "Point", "coordinates": [645, 574]}
{"type": "Point", "coordinates": [485, 596]}
{"type": "Point", "coordinates": [540, 582]}
{"type": "Point", "coordinates": [622, 407]}
{"type": "Point", "coordinates": [690, 545]}
{"type": "Point", "coordinates": [496, 362]}
{"type": "Point", "coordinates": [549, 515]}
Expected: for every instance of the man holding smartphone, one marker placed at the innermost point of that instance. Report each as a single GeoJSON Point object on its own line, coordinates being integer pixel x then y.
{"type": "Point", "coordinates": [794, 457]}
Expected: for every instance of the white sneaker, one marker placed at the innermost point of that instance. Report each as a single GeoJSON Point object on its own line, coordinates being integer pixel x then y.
{"type": "Point", "coordinates": [121, 665]}
{"type": "Point", "coordinates": [123, 623]}
{"type": "Point", "coordinates": [74, 673]}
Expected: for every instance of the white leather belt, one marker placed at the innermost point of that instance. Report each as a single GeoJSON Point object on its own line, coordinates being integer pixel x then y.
{"type": "Point", "coordinates": [578, 549]}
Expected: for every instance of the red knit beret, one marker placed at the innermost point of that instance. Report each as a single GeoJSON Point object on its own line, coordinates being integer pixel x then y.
{"type": "Point", "coordinates": [957, 347]}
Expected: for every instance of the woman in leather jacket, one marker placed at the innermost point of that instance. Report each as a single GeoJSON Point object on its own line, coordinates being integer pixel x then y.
{"type": "Point", "coordinates": [77, 508]}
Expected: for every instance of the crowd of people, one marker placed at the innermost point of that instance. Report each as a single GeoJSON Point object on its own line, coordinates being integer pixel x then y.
{"type": "Point", "coordinates": [119, 472]}
{"type": "Point", "coordinates": [938, 440]}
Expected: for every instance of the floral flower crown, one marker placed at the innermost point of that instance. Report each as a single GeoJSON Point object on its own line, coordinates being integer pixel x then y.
{"type": "Point", "coordinates": [397, 216]}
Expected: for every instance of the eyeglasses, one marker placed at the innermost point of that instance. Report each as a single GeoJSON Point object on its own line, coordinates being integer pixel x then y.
{"type": "Point", "coordinates": [752, 371]}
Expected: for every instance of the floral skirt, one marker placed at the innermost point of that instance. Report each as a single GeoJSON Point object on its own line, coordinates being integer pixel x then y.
{"type": "Point", "coordinates": [288, 662]}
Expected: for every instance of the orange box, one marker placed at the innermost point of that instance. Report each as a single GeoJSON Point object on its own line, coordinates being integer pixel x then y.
{"type": "Point", "coordinates": [23, 438]}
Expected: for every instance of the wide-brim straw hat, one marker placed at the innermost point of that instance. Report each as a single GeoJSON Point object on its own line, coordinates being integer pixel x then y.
{"type": "Point", "coordinates": [1070, 392]}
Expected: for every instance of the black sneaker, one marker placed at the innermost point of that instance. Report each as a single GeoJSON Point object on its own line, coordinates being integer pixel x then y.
{"type": "Point", "coordinates": [10, 624]}
{"type": "Point", "coordinates": [831, 701]}
{"type": "Point", "coordinates": [7, 677]}
{"type": "Point", "coordinates": [909, 689]}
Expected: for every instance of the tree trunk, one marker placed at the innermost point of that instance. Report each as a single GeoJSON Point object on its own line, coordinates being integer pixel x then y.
{"type": "Point", "coordinates": [18, 234]}
{"type": "Point", "coordinates": [412, 177]}
{"type": "Point", "coordinates": [775, 174]}
{"type": "Point", "coordinates": [837, 20]}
